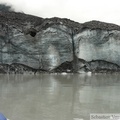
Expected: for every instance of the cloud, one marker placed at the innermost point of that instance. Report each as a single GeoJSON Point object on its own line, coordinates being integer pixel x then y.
{"type": "Point", "coordinates": [78, 10]}
{"type": "Point", "coordinates": [4, 7]}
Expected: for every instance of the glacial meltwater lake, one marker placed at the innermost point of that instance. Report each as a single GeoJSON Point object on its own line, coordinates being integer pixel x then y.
{"type": "Point", "coordinates": [58, 97]}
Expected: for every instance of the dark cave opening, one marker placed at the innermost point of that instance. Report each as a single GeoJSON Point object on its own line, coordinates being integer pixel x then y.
{"type": "Point", "coordinates": [33, 33]}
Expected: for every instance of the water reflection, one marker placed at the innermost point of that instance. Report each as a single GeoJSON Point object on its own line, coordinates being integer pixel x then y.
{"type": "Point", "coordinates": [58, 97]}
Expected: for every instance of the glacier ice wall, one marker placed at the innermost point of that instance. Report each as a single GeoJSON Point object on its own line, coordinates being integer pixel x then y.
{"type": "Point", "coordinates": [99, 45]}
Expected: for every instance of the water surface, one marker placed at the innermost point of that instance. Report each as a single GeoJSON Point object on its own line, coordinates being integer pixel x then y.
{"type": "Point", "coordinates": [58, 97]}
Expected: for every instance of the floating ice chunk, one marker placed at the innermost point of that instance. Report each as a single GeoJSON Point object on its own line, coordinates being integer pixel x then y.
{"type": "Point", "coordinates": [64, 73]}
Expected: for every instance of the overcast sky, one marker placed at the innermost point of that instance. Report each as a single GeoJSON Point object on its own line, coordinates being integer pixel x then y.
{"type": "Point", "coordinates": [77, 10]}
